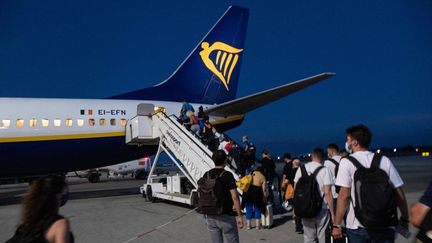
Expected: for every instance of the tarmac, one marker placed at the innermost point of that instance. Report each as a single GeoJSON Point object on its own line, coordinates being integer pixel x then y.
{"type": "Point", "coordinates": [114, 211]}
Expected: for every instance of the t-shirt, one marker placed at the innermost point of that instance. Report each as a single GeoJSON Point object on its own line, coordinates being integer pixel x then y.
{"type": "Point", "coordinates": [323, 177]}
{"type": "Point", "coordinates": [258, 178]}
{"type": "Point", "coordinates": [332, 168]}
{"type": "Point", "coordinates": [345, 178]}
{"type": "Point", "coordinates": [426, 199]}
{"type": "Point", "coordinates": [222, 188]}
{"type": "Point", "coordinates": [269, 168]}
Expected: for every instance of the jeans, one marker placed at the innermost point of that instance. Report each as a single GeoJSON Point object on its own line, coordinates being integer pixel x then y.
{"type": "Point", "coordinates": [386, 235]}
{"type": "Point", "coordinates": [251, 210]}
{"type": "Point", "coordinates": [220, 226]}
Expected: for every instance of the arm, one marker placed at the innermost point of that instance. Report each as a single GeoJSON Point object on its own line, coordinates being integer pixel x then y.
{"type": "Point", "coordinates": [61, 231]}
{"type": "Point", "coordinates": [342, 206]}
{"type": "Point", "coordinates": [329, 199]}
{"type": "Point", "coordinates": [403, 207]}
{"type": "Point", "coordinates": [236, 201]}
{"type": "Point", "coordinates": [417, 212]}
{"type": "Point", "coordinates": [265, 192]}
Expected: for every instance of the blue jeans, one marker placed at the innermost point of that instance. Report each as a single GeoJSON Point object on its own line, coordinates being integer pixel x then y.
{"type": "Point", "coordinates": [386, 235]}
{"type": "Point", "coordinates": [251, 210]}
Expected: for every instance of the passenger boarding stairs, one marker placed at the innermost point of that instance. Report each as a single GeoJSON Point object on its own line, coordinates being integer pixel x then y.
{"type": "Point", "coordinates": [193, 158]}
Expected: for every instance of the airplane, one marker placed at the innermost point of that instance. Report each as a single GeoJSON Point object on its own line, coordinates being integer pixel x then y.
{"type": "Point", "coordinates": [62, 135]}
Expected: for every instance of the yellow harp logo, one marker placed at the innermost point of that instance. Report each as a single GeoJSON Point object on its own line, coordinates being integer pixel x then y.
{"type": "Point", "coordinates": [226, 60]}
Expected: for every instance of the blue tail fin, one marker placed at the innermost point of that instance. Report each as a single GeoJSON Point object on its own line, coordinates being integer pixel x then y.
{"type": "Point", "coordinates": [211, 72]}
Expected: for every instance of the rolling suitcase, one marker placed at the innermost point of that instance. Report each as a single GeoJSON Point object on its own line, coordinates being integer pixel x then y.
{"type": "Point", "coordinates": [267, 220]}
{"type": "Point", "coordinates": [330, 239]}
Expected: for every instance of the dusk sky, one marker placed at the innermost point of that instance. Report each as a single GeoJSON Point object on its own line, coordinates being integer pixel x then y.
{"type": "Point", "coordinates": [381, 52]}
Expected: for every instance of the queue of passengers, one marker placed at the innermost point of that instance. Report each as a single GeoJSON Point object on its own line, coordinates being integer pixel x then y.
{"type": "Point", "coordinates": [338, 208]}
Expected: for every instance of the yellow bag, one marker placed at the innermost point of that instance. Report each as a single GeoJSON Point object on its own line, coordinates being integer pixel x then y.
{"type": "Point", "coordinates": [289, 193]}
{"type": "Point", "coordinates": [283, 185]}
{"type": "Point", "coordinates": [244, 183]}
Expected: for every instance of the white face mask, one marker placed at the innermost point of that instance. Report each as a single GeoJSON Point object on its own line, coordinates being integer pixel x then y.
{"type": "Point", "coordinates": [347, 148]}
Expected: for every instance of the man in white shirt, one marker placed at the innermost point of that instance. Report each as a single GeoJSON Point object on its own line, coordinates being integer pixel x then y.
{"type": "Point", "coordinates": [314, 228]}
{"type": "Point", "coordinates": [358, 140]}
{"type": "Point", "coordinates": [332, 162]}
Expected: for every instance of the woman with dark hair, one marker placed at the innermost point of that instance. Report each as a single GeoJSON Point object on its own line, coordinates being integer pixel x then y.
{"type": "Point", "coordinates": [255, 198]}
{"type": "Point", "coordinates": [40, 219]}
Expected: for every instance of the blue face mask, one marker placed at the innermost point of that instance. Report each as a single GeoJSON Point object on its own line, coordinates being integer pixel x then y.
{"type": "Point", "coordinates": [64, 199]}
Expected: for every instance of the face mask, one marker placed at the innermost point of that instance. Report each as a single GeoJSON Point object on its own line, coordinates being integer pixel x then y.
{"type": "Point", "coordinates": [64, 199]}
{"type": "Point", "coordinates": [347, 148]}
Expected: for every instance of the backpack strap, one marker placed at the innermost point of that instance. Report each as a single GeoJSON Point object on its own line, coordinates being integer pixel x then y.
{"type": "Point", "coordinates": [315, 173]}
{"type": "Point", "coordinates": [303, 171]}
{"type": "Point", "coordinates": [354, 161]}
{"type": "Point", "coordinates": [376, 160]}
{"type": "Point", "coordinates": [333, 161]}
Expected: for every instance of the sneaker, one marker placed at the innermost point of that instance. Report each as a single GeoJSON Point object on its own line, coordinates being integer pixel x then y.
{"type": "Point", "coordinates": [248, 227]}
{"type": "Point", "coordinates": [300, 232]}
{"type": "Point", "coordinates": [258, 227]}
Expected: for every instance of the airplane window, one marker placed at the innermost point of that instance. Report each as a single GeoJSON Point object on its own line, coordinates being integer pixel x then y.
{"type": "Point", "coordinates": [5, 123]}
{"type": "Point", "coordinates": [123, 122]}
{"type": "Point", "coordinates": [45, 122]}
{"type": "Point", "coordinates": [32, 122]}
{"type": "Point", "coordinates": [69, 122]}
{"type": "Point", "coordinates": [91, 122]}
{"type": "Point", "coordinates": [102, 122]}
{"type": "Point", "coordinates": [19, 123]}
{"type": "Point", "coordinates": [113, 122]}
{"type": "Point", "coordinates": [80, 122]}
{"type": "Point", "coordinates": [57, 122]}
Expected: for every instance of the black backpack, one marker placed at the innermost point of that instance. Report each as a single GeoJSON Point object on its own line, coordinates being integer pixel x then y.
{"type": "Point", "coordinates": [307, 200]}
{"type": "Point", "coordinates": [374, 194]}
{"type": "Point", "coordinates": [336, 172]}
{"type": "Point", "coordinates": [208, 201]}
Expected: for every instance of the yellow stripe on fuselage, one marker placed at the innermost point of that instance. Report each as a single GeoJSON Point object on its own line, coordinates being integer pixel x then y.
{"type": "Point", "coordinates": [60, 137]}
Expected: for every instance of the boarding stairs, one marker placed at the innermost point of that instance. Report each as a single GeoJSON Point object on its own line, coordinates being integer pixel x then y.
{"type": "Point", "coordinates": [154, 127]}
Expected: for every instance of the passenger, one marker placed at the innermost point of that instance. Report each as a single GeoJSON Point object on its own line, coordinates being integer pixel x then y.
{"type": "Point", "coordinates": [286, 172]}
{"type": "Point", "coordinates": [226, 189]}
{"type": "Point", "coordinates": [208, 136]}
{"type": "Point", "coordinates": [254, 198]}
{"type": "Point", "coordinates": [333, 164]}
{"type": "Point", "coordinates": [358, 140]}
{"type": "Point", "coordinates": [269, 172]}
{"type": "Point", "coordinates": [234, 154]}
{"type": "Point", "coordinates": [315, 228]}
{"type": "Point", "coordinates": [186, 107]}
{"type": "Point", "coordinates": [297, 220]}
{"type": "Point", "coordinates": [192, 124]}
{"type": "Point", "coordinates": [248, 155]}
{"type": "Point", "coordinates": [202, 118]}
{"type": "Point", "coordinates": [421, 215]}
{"type": "Point", "coordinates": [223, 144]}
{"type": "Point", "coordinates": [40, 219]}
